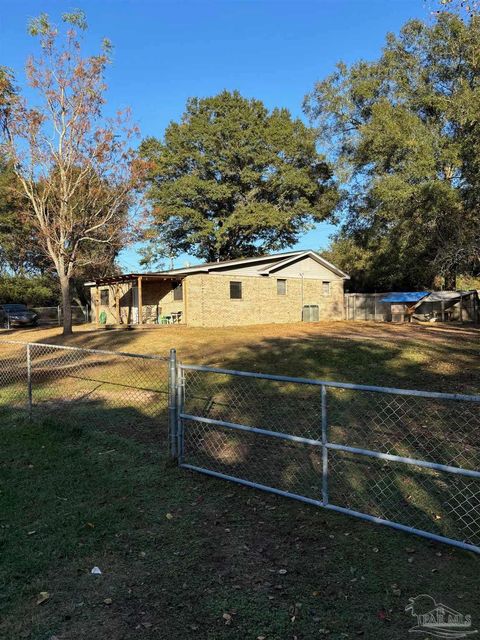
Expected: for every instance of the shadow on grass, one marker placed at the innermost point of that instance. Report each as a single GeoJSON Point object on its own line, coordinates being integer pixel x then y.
{"type": "Point", "coordinates": [434, 430]}
{"type": "Point", "coordinates": [128, 397]}
{"type": "Point", "coordinates": [121, 394]}
{"type": "Point", "coordinates": [74, 498]}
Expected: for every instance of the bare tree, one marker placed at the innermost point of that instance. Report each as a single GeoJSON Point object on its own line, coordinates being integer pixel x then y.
{"type": "Point", "coordinates": [465, 8]}
{"type": "Point", "coordinates": [76, 167]}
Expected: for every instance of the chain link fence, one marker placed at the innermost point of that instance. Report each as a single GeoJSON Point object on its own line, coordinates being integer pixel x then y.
{"type": "Point", "coordinates": [13, 379]}
{"type": "Point", "coordinates": [54, 315]}
{"type": "Point", "coordinates": [123, 393]}
{"type": "Point", "coordinates": [408, 459]}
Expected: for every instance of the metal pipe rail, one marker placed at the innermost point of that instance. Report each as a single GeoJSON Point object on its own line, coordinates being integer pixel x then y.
{"type": "Point", "coordinates": [335, 385]}
{"type": "Point", "coordinates": [467, 519]}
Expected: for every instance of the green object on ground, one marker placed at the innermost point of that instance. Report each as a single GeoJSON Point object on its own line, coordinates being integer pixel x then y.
{"type": "Point", "coordinates": [102, 318]}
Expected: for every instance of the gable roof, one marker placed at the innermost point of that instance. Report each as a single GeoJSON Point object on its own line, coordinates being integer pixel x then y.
{"type": "Point", "coordinates": [279, 260]}
{"type": "Point", "coordinates": [306, 254]}
{"type": "Point", "coordinates": [205, 267]}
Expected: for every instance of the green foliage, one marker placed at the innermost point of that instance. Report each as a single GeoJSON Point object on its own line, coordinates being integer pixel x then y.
{"type": "Point", "coordinates": [77, 18]}
{"type": "Point", "coordinates": [19, 249]}
{"type": "Point", "coordinates": [405, 136]}
{"type": "Point", "coordinates": [32, 290]}
{"type": "Point", "coordinates": [233, 179]}
{"type": "Point", "coordinates": [7, 93]}
{"type": "Point", "coordinates": [39, 25]}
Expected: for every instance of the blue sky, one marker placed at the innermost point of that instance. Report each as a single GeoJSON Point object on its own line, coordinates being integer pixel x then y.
{"type": "Point", "coordinates": [166, 51]}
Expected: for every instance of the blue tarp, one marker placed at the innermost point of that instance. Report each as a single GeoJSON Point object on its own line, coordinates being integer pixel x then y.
{"type": "Point", "coordinates": [405, 297]}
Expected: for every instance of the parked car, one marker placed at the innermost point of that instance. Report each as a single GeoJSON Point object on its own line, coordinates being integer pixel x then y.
{"type": "Point", "coordinates": [17, 315]}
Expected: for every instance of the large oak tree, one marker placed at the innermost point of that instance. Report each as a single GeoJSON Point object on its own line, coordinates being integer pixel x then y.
{"type": "Point", "coordinates": [234, 179]}
{"type": "Point", "coordinates": [404, 132]}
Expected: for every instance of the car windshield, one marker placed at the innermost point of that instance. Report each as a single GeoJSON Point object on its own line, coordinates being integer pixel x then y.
{"type": "Point", "coordinates": [15, 307]}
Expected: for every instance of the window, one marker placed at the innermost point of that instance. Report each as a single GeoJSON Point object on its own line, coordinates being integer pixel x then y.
{"type": "Point", "coordinates": [326, 288]}
{"type": "Point", "coordinates": [178, 290]}
{"type": "Point", "coordinates": [104, 297]}
{"type": "Point", "coordinates": [235, 290]}
{"type": "Point", "coordinates": [281, 287]}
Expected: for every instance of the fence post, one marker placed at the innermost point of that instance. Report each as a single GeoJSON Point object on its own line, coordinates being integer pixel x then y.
{"type": "Point", "coordinates": [172, 403]}
{"type": "Point", "coordinates": [59, 317]}
{"type": "Point", "coordinates": [324, 446]}
{"type": "Point", "coordinates": [180, 409]}
{"type": "Point", "coordinates": [29, 381]}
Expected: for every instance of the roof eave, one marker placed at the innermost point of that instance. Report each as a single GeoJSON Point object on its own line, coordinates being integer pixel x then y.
{"type": "Point", "coordinates": [313, 255]}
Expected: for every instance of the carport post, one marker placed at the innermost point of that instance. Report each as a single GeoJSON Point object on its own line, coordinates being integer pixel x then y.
{"type": "Point", "coordinates": [29, 381]}
{"type": "Point", "coordinates": [172, 403]}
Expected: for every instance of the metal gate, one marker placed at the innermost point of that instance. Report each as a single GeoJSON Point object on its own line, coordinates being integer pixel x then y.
{"type": "Point", "coordinates": [403, 458]}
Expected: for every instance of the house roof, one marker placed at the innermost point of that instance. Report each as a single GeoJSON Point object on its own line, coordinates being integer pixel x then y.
{"type": "Point", "coordinates": [405, 296]}
{"type": "Point", "coordinates": [447, 296]}
{"type": "Point", "coordinates": [220, 264]}
{"type": "Point", "coordinates": [311, 254]}
{"type": "Point", "coordinates": [273, 262]}
{"type": "Point", "coordinates": [279, 260]}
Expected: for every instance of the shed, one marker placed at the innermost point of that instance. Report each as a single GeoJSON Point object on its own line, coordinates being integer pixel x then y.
{"type": "Point", "coordinates": [403, 304]}
{"type": "Point", "coordinates": [449, 305]}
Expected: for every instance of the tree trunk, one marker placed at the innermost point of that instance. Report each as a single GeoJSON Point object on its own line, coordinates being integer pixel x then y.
{"type": "Point", "coordinates": [66, 305]}
{"type": "Point", "coordinates": [450, 280]}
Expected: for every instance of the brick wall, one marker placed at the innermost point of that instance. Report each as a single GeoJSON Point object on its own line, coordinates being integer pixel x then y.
{"type": "Point", "coordinates": [208, 300]}
{"type": "Point", "coordinates": [157, 299]}
{"type": "Point", "coordinates": [158, 295]}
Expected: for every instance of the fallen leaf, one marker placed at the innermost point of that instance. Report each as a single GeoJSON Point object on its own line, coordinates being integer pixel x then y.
{"type": "Point", "coordinates": [282, 572]}
{"type": "Point", "coordinates": [43, 596]}
{"type": "Point", "coordinates": [227, 617]}
{"type": "Point", "coordinates": [169, 516]}
{"type": "Point", "coordinates": [107, 601]}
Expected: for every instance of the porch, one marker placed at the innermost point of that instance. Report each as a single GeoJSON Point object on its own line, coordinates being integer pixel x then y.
{"type": "Point", "coordinates": [137, 300]}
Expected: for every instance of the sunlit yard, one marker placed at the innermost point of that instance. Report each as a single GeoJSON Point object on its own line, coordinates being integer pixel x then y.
{"type": "Point", "coordinates": [183, 555]}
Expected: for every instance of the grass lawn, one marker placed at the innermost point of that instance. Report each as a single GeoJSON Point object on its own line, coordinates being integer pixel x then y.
{"type": "Point", "coordinates": [183, 555]}
{"type": "Point", "coordinates": [436, 357]}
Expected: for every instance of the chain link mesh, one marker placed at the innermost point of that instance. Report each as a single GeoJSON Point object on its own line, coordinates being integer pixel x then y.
{"type": "Point", "coordinates": [437, 430]}
{"type": "Point", "coordinates": [289, 466]}
{"type": "Point", "coordinates": [266, 404]}
{"type": "Point", "coordinates": [115, 392]}
{"type": "Point", "coordinates": [13, 379]}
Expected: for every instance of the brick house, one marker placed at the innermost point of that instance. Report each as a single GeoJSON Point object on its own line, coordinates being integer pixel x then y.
{"type": "Point", "coordinates": [283, 287]}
